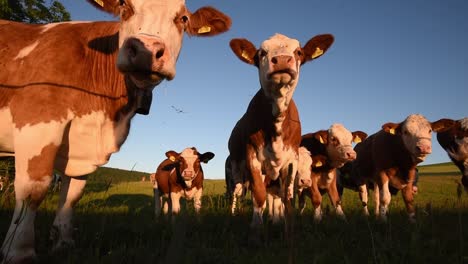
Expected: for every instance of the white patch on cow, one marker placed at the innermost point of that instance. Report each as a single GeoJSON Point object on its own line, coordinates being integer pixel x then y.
{"type": "Point", "coordinates": [6, 128]}
{"type": "Point", "coordinates": [92, 140]}
{"type": "Point", "coordinates": [318, 214]}
{"type": "Point", "coordinates": [49, 26]}
{"type": "Point", "coordinates": [417, 133]}
{"type": "Point", "coordinates": [29, 141]}
{"type": "Point", "coordinates": [340, 148]}
{"type": "Point", "coordinates": [26, 50]}
{"type": "Point", "coordinates": [69, 195]}
{"type": "Point", "coordinates": [363, 195]}
{"type": "Point", "coordinates": [154, 20]}
{"type": "Point", "coordinates": [464, 123]}
{"type": "Point", "coordinates": [304, 167]}
{"type": "Point", "coordinates": [175, 199]}
{"type": "Point", "coordinates": [385, 198]}
{"type": "Point", "coordinates": [326, 179]}
{"type": "Point", "coordinates": [282, 92]}
{"type": "Point", "coordinates": [189, 173]}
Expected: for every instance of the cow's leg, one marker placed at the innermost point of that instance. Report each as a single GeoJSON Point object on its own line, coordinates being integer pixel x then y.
{"type": "Point", "coordinates": [408, 197]}
{"type": "Point", "coordinates": [301, 195]}
{"type": "Point", "coordinates": [197, 200]}
{"type": "Point", "coordinates": [376, 200]}
{"type": "Point", "coordinates": [258, 191]}
{"type": "Point", "coordinates": [316, 200]}
{"type": "Point", "coordinates": [385, 198]}
{"type": "Point", "coordinates": [62, 228]}
{"type": "Point", "coordinates": [335, 199]}
{"type": "Point", "coordinates": [363, 196]}
{"type": "Point", "coordinates": [35, 150]}
{"type": "Point", "coordinates": [238, 192]}
{"type": "Point", "coordinates": [270, 205]}
{"type": "Point", "coordinates": [237, 180]}
{"type": "Point", "coordinates": [175, 202]}
{"type": "Point", "coordinates": [157, 202]}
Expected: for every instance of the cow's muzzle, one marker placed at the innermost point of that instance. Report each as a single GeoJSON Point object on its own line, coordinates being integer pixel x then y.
{"type": "Point", "coordinates": [145, 59]}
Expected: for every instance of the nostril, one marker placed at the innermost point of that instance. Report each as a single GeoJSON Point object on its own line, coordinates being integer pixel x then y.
{"type": "Point", "coordinates": [159, 53]}
{"type": "Point", "coordinates": [274, 60]}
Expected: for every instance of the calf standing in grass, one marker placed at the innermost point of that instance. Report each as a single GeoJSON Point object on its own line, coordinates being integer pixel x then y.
{"type": "Point", "coordinates": [180, 175]}
{"type": "Point", "coordinates": [330, 149]}
{"type": "Point", "coordinates": [455, 143]}
{"type": "Point", "coordinates": [389, 158]}
{"type": "Point", "coordinates": [264, 143]}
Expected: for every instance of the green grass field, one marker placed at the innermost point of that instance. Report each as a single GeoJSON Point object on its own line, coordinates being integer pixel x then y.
{"type": "Point", "coordinates": [115, 224]}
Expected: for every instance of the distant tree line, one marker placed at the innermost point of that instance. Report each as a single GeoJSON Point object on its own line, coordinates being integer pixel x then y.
{"type": "Point", "coordinates": [33, 11]}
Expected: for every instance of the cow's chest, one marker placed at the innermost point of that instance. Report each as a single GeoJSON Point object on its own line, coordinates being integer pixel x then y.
{"type": "Point", "coordinates": [275, 157]}
{"type": "Point", "coordinates": [91, 140]}
{"type": "Point", "coordinates": [325, 179]}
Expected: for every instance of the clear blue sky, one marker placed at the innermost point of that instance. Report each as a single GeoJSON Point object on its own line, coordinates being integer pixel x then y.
{"type": "Point", "coordinates": [390, 59]}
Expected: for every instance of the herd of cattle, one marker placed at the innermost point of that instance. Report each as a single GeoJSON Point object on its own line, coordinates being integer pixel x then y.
{"type": "Point", "coordinates": [68, 92]}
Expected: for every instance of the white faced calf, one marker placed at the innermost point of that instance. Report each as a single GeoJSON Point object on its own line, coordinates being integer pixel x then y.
{"type": "Point", "coordinates": [330, 150]}
{"type": "Point", "coordinates": [179, 176]}
{"type": "Point", "coordinates": [264, 143]}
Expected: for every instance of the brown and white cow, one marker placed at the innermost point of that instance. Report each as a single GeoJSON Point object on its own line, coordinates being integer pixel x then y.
{"type": "Point", "coordinates": [389, 158]}
{"type": "Point", "coordinates": [455, 142]}
{"type": "Point", "coordinates": [333, 148]}
{"type": "Point", "coordinates": [264, 143]}
{"type": "Point", "coordinates": [69, 90]}
{"type": "Point", "coordinates": [180, 175]}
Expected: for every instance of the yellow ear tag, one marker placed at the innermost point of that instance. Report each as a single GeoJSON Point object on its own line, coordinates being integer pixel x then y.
{"type": "Point", "coordinates": [318, 51]}
{"type": "Point", "coordinates": [99, 2]}
{"type": "Point", "coordinates": [318, 164]}
{"type": "Point", "coordinates": [204, 29]}
{"type": "Point", "coordinates": [357, 139]}
{"type": "Point", "coordinates": [172, 158]}
{"type": "Point", "coordinates": [321, 140]}
{"type": "Point", "coordinates": [392, 131]}
{"type": "Point", "coordinates": [245, 55]}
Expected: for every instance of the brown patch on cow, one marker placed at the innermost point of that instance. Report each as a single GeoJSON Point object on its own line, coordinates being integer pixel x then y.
{"type": "Point", "coordinates": [41, 165]}
{"type": "Point", "coordinates": [58, 81]}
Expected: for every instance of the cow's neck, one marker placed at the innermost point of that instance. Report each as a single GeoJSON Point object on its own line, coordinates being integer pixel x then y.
{"type": "Point", "coordinates": [278, 101]}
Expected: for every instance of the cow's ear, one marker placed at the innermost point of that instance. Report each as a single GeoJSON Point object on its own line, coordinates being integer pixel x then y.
{"type": "Point", "coordinates": [317, 46]}
{"type": "Point", "coordinates": [109, 6]}
{"type": "Point", "coordinates": [244, 50]}
{"type": "Point", "coordinates": [208, 21]}
{"type": "Point", "coordinates": [205, 157]}
{"type": "Point", "coordinates": [442, 124]}
{"type": "Point", "coordinates": [358, 136]}
{"type": "Point", "coordinates": [391, 128]}
{"type": "Point", "coordinates": [318, 161]}
{"type": "Point", "coordinates": [322, 136]}
{"type": "Point", "coordinates": [172, 155]}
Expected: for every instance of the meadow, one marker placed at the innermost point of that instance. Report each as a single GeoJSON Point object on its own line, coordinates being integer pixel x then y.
{"type": "Point", "coordinates": [115, 223]}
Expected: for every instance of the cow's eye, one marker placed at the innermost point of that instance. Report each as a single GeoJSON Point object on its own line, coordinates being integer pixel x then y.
{"type": "Point", "coordinates": [122, 2]}
{"type": "Point", "coordinates": [299, 52]}
{"type": "Point", "coordinates": [184, 19]}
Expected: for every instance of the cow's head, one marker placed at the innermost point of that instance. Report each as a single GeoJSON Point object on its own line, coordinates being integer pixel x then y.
{"type": "Point", "coordinates": [187, 163]}
{"type": "Point", "coordinates": [279, 60]}
{"type": "Point", "coordinates": [151, 33]}
{"type": "Point", "coordinates": [416, 134]}
{"type": "Point", "coordinates": [338, 141]}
